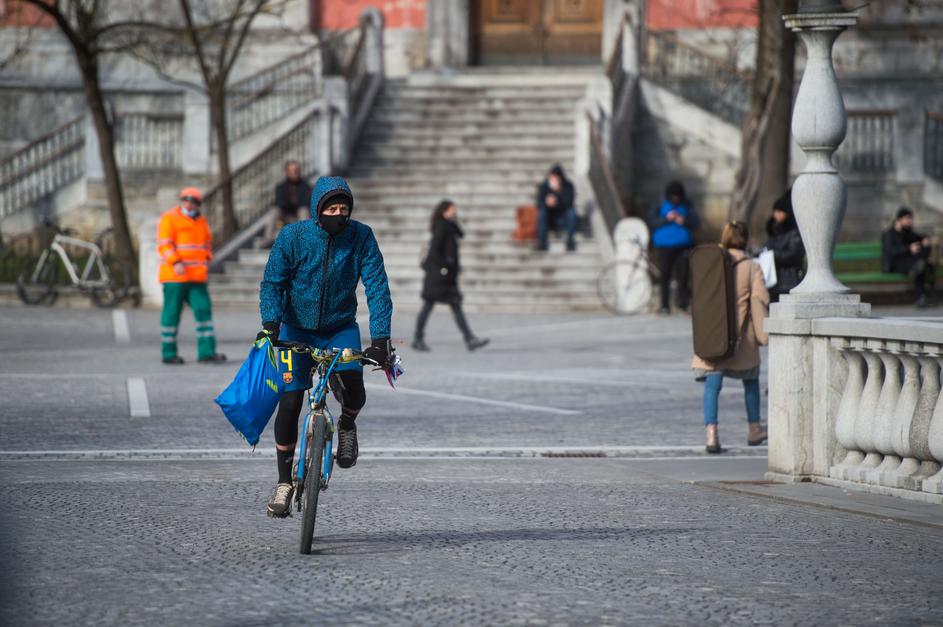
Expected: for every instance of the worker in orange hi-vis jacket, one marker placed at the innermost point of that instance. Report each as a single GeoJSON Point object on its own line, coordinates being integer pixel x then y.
{"type": "Point", "coordinates": [185, 246]}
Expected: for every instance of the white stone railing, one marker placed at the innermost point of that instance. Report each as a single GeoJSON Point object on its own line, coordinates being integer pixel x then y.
{"type": "Point", "coordinates": [707, 81]}
{"type": "Point", "coordinates": [875, 415]}
{"type": "Point", "coordinates": [274, 92]}
{"type": "Point", "coordinates": [149, 141]}
{"type": "Point", "coordinates": [869, 145]}
{"type": "Point", "coordinates": [42, 167]}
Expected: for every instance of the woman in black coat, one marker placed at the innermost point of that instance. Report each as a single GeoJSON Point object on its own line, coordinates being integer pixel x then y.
{"type": "Point", "coordinates": [441, 280]}
{"type": "Point", "coordinates": [786, 244]}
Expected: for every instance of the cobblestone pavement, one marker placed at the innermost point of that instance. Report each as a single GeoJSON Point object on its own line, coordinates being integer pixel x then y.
{"type": "Point", "coordinates": [182, 538]}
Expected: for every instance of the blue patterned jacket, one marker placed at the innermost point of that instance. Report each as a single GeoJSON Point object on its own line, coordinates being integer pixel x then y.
{"type": "Point", "coordinates": [310, 280]}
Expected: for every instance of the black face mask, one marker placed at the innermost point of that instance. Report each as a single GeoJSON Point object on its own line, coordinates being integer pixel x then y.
{"type": "Point", "coordinates": [334, 225]}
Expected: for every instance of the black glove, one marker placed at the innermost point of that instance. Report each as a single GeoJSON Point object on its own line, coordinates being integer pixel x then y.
{"type": "Point", "coordinates": [269, 330]}
{"type": "Point", "coordinates": [379, 351]}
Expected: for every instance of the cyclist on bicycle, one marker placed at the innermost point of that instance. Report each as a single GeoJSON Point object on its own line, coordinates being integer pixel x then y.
{"type": "Point", "coordinates": [308, 295]}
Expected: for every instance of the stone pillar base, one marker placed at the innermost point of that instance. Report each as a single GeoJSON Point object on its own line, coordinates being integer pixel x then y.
{"type": "Point", "coordinates": [804, 382]}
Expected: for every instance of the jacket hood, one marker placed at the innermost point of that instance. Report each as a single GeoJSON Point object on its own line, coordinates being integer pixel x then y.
{"type": "Point", "coordinates": [330, 188]}
{"type": "Point", "coordinates": [676, 188]}
{"type": "Point", "coordinates": [558, 170]}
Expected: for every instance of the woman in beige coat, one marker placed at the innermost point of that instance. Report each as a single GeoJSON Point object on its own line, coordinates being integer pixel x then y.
{"type": "Point", "coordinates": [744, 364]}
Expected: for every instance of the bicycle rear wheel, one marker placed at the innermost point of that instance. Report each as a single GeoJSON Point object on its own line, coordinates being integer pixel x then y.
{"type": "Point", "coordinates": [314, 463]}
{"type": "Point", "coordinates": [119, 279]}
{"type": "Point", "coordinates": [37, 284]}
{"type": "Point", "coordinates": [625, 287]}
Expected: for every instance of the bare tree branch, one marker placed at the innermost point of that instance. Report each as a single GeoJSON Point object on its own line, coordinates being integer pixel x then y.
{"type": "Point", "coordinates": [221, 61]}
{"type": "Point", "coordinates": [242, 39]}
{"type": "Point", "coordinates": [195, 40]}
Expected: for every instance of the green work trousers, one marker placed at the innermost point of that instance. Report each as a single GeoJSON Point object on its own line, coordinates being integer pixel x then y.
{"type": "Point", "coordinates": [197, 296]}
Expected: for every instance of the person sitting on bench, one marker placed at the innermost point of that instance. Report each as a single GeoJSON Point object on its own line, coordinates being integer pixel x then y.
{"type": "Point", "coordinates": [905, 252]}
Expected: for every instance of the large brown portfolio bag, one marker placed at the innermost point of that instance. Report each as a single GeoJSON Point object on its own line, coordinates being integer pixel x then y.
{"type": "Point", "coordinates": [713, 302]}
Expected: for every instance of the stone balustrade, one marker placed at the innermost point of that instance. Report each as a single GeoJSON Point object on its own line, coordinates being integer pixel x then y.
{"type": "Point", "coordinates": [876, 412]}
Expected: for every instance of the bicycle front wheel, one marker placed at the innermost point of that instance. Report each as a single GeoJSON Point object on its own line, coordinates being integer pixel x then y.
{"type": "Point", "coordinates": [36, 282]}
{"type": "Point", "coordinates": [625, 287]}
{"type": "Point", "coordinates": [314, 464]}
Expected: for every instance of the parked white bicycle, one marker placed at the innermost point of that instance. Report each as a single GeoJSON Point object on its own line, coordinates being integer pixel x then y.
{"type": "Point", "coordinates": [106, 281]}
{"type": "Point", "coordinates": [625, 285]}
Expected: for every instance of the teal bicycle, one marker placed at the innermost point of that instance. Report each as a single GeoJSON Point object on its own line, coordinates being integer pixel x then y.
{"type": "Point", "coordinates": [312, 472]}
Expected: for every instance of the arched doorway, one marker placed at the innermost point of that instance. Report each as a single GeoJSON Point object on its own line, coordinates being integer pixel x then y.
{"type": "Point", "coordinates": [537, 32]}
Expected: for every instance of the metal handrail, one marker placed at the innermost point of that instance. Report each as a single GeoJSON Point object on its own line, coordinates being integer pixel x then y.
{"type": "Point", "coordinates": [607, 191]}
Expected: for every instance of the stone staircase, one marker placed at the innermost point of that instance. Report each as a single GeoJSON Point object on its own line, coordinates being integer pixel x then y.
{"type": "Point", "coordinates": [484, 141]}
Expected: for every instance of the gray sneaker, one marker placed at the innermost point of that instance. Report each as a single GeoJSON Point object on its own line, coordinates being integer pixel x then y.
{"type": "Point", "coordinates": [279, 506]}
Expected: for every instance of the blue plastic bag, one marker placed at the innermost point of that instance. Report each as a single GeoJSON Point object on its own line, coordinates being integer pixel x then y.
{"type": "Point", "coordinates": [250, 400]}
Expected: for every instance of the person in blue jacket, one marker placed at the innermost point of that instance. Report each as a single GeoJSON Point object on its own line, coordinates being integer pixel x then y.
{"type": "Point", "coordinates": [308, 294]}
{"type": "Point", "coordinates": [672, 224]}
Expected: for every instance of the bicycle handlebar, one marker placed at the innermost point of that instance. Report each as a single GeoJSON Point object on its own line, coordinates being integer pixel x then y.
{"type": "Point", "coordinates": [49, 224]}
{"type": "Point", "coordinates": [320, 355]}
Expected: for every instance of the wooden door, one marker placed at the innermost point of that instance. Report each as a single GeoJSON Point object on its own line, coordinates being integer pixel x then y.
{"type": "Point", "coordinates": [538, 31]}
{"type": "Point", "coordinates": [572, 30]}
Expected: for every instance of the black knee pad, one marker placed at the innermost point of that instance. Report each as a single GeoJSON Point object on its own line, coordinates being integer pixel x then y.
{"type": "Point", "coordinates": [353, 395]}
{"type": "Point", "coordinates": [286, 420]}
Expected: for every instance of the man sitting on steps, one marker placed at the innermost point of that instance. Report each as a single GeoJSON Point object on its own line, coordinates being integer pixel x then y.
{"type": "Point", "coordinates": [555, 208]}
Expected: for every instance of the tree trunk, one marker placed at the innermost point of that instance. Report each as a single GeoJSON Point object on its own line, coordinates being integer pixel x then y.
{"type": "Point", "coordinates": [217, 96]}
{"type": "Point", "coordinates": [91, 86]}
{"type": "Point", "coordinates": [763, 174]}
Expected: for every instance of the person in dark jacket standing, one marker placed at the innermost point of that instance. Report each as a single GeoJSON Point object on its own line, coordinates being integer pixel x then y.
{"type": "Point", "coordinates": [906, 252]}
{"type": "Point", "coordinates": [441, 280]}
{"type": "Point", "coordinates": [555, 207]}
{"type": "Point", "coordinates": [672, 224]}
{"type": "Point", "coordinates": [786, 244]}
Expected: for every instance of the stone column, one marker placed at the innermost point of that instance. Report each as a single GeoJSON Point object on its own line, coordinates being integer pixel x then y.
{"type": "Point", "coordinates": [331, 139]}
{"type": "Point", "coordinates": [372, 19]}
{"type": "Point", "coordinates": [94, 170]}
{"type": "Point", "coordinates": [818, 125]}
{"type": "Point", "coordinates": [805, 373]}
{"type": "Point", "coordinates": [447, 30]}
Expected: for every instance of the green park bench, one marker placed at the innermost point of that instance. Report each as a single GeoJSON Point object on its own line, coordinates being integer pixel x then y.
{"type": "Point", "coordinates": [858, 265]}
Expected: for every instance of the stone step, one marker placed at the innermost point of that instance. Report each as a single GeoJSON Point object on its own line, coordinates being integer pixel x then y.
{"type": "Point", "coordinates": [374, 199]}
{"type": "Point", "coordinates": [513, 141]}
{"type": "Point", "coordinates": [399, 90]}
{"type": "Point", "coordinates": [471, 267]}
{"type": "Point", "coordinates": [459, 104]}
{"type": "Point", "coordinates": [506, 254]}
{"type": "Point", "coordinates": [465, 101]}
{"type": "Point", "coordinates": [429, 173]}
{"type": "Point", "coordinates": [419, 209]}
{"type": "Point", "coordinates": [445, 126]}
{"type": "Point", "coordinates": [448, 154]}
{"type": "Point", "coordinates": [498, 183]}
{"type": "Point", "coordinates": [470, 305]}
{"type": "Point", "coordinates": [455, 118]}
{"type": "Point", "coordinates": [421, 164]}
{"type": "Point", "coordinates": [508, 294]}
{"type": "Point", "coordinates": [514, 76]}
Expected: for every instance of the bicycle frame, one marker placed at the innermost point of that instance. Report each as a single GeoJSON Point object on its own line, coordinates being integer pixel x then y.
{"type": "Point", "coordinates": [94, 261]}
